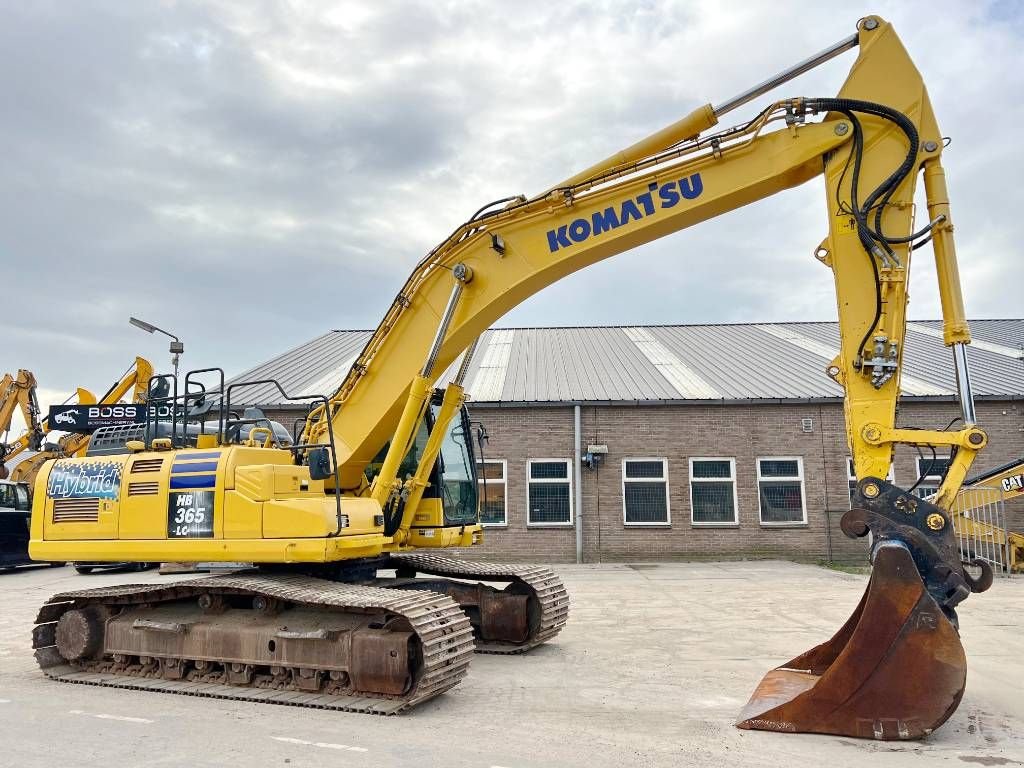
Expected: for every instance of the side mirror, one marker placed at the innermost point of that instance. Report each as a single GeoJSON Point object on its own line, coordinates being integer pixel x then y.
{"type": "Point", "coordinates": [319, 461]}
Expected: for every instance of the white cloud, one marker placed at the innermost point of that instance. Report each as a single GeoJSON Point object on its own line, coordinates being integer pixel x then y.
{"type": "Point", "coordinates": [250, 174]}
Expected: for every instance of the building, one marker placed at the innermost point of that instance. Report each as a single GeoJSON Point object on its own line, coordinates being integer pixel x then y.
{"type": "Point", "coordinates": [720, 440]}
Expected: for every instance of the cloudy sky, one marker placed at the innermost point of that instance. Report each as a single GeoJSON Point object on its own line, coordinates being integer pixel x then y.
{"type": "Point", "coordinates": [251, 174]}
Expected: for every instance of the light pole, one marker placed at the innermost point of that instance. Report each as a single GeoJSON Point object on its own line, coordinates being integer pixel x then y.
{"type": "Point", "coordinates": [177, 348]}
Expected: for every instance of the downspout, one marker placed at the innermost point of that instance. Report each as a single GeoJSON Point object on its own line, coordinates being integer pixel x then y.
{"type": "Point", "coordinates": [578, 482]}
{"type": "Point", "coordinates": [824, 469]}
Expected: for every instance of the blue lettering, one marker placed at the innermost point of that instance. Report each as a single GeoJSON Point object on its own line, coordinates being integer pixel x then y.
{"type": "Point", "coordinates": [605, 221]}
{"type": "Point", "coordinates": [646, 200]}
{"type": "Point", "coordinates": [668, 194]}
{"type": "Point", "coordinates": [558, 239]}
{"type": "Point", "coordinates": [692, 187]}
{"type": "Point", "coordinates": [629, 210]}
{"type": "Point", "coordinates": [579, 230]}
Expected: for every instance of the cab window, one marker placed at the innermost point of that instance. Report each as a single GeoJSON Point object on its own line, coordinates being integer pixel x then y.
{"type": "Point", "coordinates": [458, 482]}
{"type": "Point", "coordinates": [453, 478]}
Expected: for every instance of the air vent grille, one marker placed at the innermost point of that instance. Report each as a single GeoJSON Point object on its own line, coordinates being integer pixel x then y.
{"type": "Point", "coordinates": [147, 488]}
{"type": "Point", "coordinates": [76, 510]}
{"type": "Point", "coordinates": [147, 465]}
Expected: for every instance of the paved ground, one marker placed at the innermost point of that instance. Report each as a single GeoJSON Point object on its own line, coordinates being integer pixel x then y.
{"type": "Point", "coordinates": [598, 696]}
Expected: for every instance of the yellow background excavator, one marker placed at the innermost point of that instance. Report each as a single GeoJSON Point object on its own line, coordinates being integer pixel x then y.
{"type": "Point", "coordinates": [983, 533]}
{"type": "Point", "coordinates": [132, 384]}
{"type": "Point", "coordinates": [342, 612]}
{"type": "Point", "coordinates": [36, 429]}
{"type": "Point", "coordinates": [19, 393]}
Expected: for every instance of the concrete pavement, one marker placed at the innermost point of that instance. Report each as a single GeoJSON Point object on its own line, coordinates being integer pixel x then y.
{"type": "Point", "coordinates": [602, 694]}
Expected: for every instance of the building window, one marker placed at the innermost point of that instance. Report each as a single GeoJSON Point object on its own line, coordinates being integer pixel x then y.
{"type": "Point", "coordinates": [930, 472]}
{"type": "Point", "coordinates": [780, 490]}
{"type": "Point", "coordinates": [492, 492]}
{"type": "Point", "coordinates": [645, 492]}
{"type": "Point", "coordinates": [549, 492]}
{"type": "Point", "coordinates": [713, 491]}
{"type": "Point", "coordinates": [851, 476]}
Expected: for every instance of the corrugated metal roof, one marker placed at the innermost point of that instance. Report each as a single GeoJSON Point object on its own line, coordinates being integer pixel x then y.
{"type": "Point", "coordinates": [682, 363]}
{"type": "Point", "coordinates": [314, 368]}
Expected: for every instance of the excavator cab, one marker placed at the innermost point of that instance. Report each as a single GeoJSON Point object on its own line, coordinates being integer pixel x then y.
{"type": "Point", "coordinates": [451, 498]}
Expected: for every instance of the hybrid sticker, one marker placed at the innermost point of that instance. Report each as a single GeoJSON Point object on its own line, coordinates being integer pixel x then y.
{"type": "Point", "coordinates": [190, 515]}
{"type": "Point", "coordinates": [84, 479]}
{"type": "Point", "coordinates": [632, 209]}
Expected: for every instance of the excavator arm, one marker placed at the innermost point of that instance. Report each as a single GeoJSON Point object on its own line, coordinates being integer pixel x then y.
{"type": "Point", "coordinates": [133, 384]}
{"type": "Point", "coordinates": [871, 143]}
{"type": "Point", "coordinates": [19, 392]}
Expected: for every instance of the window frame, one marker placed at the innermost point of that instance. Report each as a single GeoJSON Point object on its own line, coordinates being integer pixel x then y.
{"type": "Point", "coordinates": [803, 492]}
{"type": "Point", "coordinates": [735, 496]}
{"type": "Point", "coordinates": [550, 481]}
{"type": "Point", "coordinates": [663, 479]}
{"type": "Point", "coordinates": [851, 477]}
{"type": "Point", "coordinates": [504, 481]}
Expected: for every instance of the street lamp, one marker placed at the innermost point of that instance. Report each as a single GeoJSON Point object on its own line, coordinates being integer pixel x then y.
{"type": "Point", "coordinates": [177, 348]}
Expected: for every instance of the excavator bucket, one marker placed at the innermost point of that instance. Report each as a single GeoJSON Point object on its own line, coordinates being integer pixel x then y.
{"type": "Point", "coordinates": [896, 669]}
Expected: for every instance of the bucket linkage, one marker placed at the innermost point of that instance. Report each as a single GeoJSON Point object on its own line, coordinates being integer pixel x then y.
{"type": "Point", "coordinates": [896, 669]}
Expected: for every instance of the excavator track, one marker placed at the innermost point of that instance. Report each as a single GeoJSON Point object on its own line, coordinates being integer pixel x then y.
{"type": "Point", "coordinates": [439, 637]}
{"type": "Point", "coordinates": [548, 598]}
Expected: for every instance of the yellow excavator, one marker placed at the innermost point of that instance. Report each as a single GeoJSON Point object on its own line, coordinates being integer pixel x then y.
{"type": "Point", "coordinates": [131, 384]}
{"type": "Point", "coordinates": [352, 605]}
{"type": "Point", "coordinates": [983, 534]}
{"type": "Point", "coordinates": [19, 393]}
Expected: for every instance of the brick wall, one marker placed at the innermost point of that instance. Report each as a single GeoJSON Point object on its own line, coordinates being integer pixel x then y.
{"type": "Point", "coordinates": [678, 432]}
{"type": "Point", "coordinates": [744, 432]}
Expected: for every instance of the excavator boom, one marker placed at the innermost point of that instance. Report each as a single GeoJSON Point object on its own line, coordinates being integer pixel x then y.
{"type": "Point", "coordinates": [18, 392]}
{"type": "Point", "coordinates": [666, 183]}
{"type": "Point", "coordinates": [385, 464]}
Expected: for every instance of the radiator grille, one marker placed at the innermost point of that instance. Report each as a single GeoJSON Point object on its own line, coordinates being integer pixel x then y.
{"type": "Point", "coordinates": [76, 510]}
{"type": "Point", "coordinates": [147, 488]}
{"type": "Point", "coordinates": [147, 465]}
